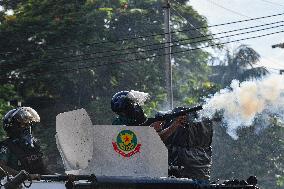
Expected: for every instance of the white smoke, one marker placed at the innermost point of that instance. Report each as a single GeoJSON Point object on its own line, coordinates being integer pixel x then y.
{"type": "Point", "coordinates": [244, 101]}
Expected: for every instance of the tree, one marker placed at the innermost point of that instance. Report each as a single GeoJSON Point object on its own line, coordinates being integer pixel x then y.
{"type": "Point", "coordinates": [239, 66]}
{"type": "Point", "coordinates": [62, 55]}
{"type": "Point", "coordinates": [7, 93]}
{"type": "Point", "coordinates": [256, 151]}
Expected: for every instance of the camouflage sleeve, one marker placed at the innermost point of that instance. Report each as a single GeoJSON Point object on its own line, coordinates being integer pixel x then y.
{"type": "Point", "coordinates": [4, 153]}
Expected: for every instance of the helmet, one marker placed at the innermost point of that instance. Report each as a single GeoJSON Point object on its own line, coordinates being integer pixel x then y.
{"type": "Point", "coordinates": [19, 118]}
{"type": "Point", "coordinates": [121, 103]}
{"type": "Point", "coordinates": [126, 103]}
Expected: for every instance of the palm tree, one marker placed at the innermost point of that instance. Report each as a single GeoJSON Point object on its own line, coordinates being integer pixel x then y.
{"type": "Point", "coordinates": [239, 65]}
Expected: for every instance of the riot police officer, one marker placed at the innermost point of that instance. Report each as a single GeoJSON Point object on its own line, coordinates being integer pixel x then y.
{"type": "Point", "coordinates": [127, 105]}
{"type": "Point", "coordinates": [189, 140]}
{"type": "Point", "coordinates": [21, 151]}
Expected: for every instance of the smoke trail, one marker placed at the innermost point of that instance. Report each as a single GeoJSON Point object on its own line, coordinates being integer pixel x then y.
{"type": "Point", "coordinates": [244, 101]}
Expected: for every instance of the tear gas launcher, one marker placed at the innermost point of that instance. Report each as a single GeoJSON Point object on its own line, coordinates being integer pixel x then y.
{"type": "Point", "coordinates": [172, 114]}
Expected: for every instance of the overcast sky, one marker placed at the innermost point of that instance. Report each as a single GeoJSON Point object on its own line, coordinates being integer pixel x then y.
{"type": "Point", "coordinates": [222, 11]}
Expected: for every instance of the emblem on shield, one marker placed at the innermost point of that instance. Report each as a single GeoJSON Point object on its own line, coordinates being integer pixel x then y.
{"type": "Point", "coordinates": [126, 143]}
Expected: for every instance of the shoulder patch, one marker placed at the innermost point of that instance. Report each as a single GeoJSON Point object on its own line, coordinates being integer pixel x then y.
{"type": "Point", "coordinates": [3, 150]}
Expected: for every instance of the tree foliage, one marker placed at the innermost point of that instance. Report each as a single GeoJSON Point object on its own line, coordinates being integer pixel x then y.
{"type": "Point", "coordinates": [7, 92]}
{"type": "Point", "coordinates": [257, 152]}
{"type": "Point", "coordinates": [239, 65]}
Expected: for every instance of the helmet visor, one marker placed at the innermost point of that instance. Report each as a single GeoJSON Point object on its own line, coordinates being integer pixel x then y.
{"type": "Point", "coordinates": [138, 97]}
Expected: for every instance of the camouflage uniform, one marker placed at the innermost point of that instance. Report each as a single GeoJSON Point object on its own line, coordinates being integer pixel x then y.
{"type": "Point", "coordinates": [20, 156]}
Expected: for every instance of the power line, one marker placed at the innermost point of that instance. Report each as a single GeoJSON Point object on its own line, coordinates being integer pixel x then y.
{"type": "Point", "coordinates": [183, 16]}
{"type": "Point", "coordinates": [155, 44]}
{"type": "Point", "coordinates": [230, 10]}
{"type": "Point", "coordinates": [219, 31]}
{"type": "Point", "coordinates": [191, 25]}
{"type": "Point", "coordinates": [176, 41]}
{"type": "Point", "coordinates": [240, 14]}
{"type": "Point", "coordinates": [153, 35]}
{"type": "Point", "coordinates": [272, 3]}
{"type": "Point", "coordinates": [194, 42]}
{"type": "Point", "coordinates": [158, 55]}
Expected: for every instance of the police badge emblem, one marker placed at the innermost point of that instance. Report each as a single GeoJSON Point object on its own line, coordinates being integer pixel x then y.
{"type": "Point", "coordinates": [126, 143]}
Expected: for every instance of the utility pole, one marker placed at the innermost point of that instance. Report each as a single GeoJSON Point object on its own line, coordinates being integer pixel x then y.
{"type": "Point", "coordinates": [168, 51]}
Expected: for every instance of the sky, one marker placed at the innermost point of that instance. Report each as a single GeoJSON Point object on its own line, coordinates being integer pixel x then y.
{"type": "Point", "coordinates": [223, 11]}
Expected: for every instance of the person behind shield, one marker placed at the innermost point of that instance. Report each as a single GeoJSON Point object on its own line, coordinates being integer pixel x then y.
{"type": "Point", "coordinates": [127, 106]}
{"type": "Point", "coordinates": [189, 140]}
{"type": "Point", "coordinates": [21, 151]}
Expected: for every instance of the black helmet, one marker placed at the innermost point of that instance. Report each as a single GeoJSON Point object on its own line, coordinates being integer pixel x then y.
{"type": "Point", "coordinates": [127, 103]}
{"type": "Point", "coordinates": [121, 103]}
{"type": "Point", "coordinates": [19, 118]}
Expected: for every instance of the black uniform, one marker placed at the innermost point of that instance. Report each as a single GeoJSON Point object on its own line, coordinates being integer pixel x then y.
{"type": "Point", "coordinates": [190, 150]}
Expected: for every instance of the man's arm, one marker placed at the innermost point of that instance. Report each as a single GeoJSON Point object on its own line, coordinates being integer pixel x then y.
{"type": "Point", "coordinates": [4, 157]}
{"type": "Point", "coordinates": [8, 169]}
{"type": "Point", "coordinates": [167, 132]}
